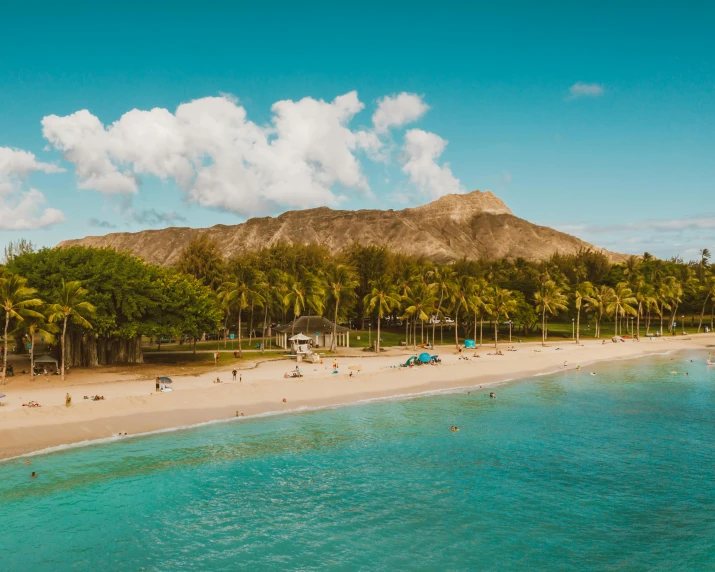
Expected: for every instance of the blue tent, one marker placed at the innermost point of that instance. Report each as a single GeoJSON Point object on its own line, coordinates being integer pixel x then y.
{"type": "Point", "coordinates": [469, 344]}
{"type": "Point", "coordinates": [425, 357]}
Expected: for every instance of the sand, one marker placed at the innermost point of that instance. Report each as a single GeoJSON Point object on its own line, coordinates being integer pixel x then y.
{"type": "Point", "coordinates": [132, 406]}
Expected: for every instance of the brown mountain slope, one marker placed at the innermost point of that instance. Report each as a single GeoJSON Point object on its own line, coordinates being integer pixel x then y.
{"type": "Point", "coordinates": [477, 224]}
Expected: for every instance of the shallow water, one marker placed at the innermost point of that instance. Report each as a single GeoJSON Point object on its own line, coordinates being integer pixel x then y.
{"type": "Point", "coordinates": [561, 472]}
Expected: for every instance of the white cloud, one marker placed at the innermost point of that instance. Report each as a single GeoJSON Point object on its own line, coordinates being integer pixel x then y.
{"type": "Point", "coordinates": [219, 157]}
{"type": "Point", "coordinates": [398, 110]}
{"type": "Point", "coordinates": [20, 209]}
{"type": "Point", "coordinates": [421, 152]}
{"type": "Point", "coordinates": [19, 163]}
{"type": "Point", "coordinates": [581, 89]}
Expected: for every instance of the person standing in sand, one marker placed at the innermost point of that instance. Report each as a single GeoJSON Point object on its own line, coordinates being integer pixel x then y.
{"type": "Point", "coordinates": [234, 372]}
{"type": "Point", "coordinates": [68, 400]}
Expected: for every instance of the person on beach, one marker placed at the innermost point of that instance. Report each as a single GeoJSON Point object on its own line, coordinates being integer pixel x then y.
{"type": "Point", "coordinates": [234, 372]}
{"type": "Point", "coordinates": [68, 400]}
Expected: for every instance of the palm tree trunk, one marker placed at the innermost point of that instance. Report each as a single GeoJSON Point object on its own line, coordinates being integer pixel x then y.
{"type": "Point", "coordinates": [543, 326]}
{"type": "Point", "coordinates": [702, 313]}
{"type": "Point", "coordinates": [647, 322]}
{"type": "Point", "coordinates": [434, 324]}
{"type": "Point", "coordinates": [250, 327]}
{"type": "Point", "coordinates": [456, 325]}
{"type": "Point", "coordinates": [240, 351]}
{"type": "Point", "coordinates": [265, 328]}
{"type": "Point", "coordinates": [475, 324]}
{"type": "Point", "coordinates": [414, 334]}
{"type": "Point", "coordinates": [64, 331]}
{"type": "Point", "coordinates": [333, 346]}
{"type": "Point", "coordinates": [407, 332]}
{"type": "Point", "coordinates": [578, 323]}
{"type": "Point", "coordinates": [662, 309]}
{"type": "Point", "coordinates": [496, 331]}
{"type": "Point", "coordinates": [481, 329]}
{"type": "Point", "coordinates": [377, 342]}
{"type": "Point", "coordinates": [638, 321]}
{"type": "Point", "coordinates": [4, 357]}
{"type": "Point", "coordinates": [32, 354]}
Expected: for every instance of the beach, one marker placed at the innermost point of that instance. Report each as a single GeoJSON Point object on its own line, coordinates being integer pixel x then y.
{"type": "Point", "coordinates": [132, 405]}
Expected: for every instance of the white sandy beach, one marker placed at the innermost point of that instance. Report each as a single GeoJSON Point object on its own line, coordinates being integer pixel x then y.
{"type": "Point", "coordinates": [132, 406]}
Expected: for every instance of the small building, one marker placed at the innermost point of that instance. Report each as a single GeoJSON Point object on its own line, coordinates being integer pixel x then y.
{"type": "Point", "coordinates": [317, 329]}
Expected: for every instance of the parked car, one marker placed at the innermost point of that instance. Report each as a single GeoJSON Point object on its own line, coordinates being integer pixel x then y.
{"type": "Point", "coordinates": [448, 320]}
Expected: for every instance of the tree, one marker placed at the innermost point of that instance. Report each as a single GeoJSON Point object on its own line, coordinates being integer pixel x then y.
{"type": "Point", "coordinates": [202, 259]}
{"type": "Point", "coordinates": [17, 248]}
{"type": "Point", "coordinates": [645, 296]}
{"type": "Point", "coordinates": [502, 303]}
{"type": "Point", "coordinates": [420, 301]}
{"type": "Point", "coordinates": [478, 301]}
{"type": "Point", "coordinates": [708, 288]}
{"type": "Point", "coordinates": [550, 299]}
{"type": "Point", "coordinates": [71, 306]}
{"type": "Point", "coordinates": [235, 295]}
{"type": "Point", "coordinates": [462, 288]}
{"type": "Point", "coordinates": [599, 302]}
{"type": "Point", "coordinates": [582, 292]}
{"type": "Point", "coordinates": [341, 288]}
{"type": "Point", "coordinates": [443, 280]}
{"type": "Point", "coordinates": [32, 326]}
{"type": "Point", "coordinates": [620, 304]}
{"type": "Point", "coordinates": [383, 297]}
{"type": "Point", "coordinates": [17, 302]}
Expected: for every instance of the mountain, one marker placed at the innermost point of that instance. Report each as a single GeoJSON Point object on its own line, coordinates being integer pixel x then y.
{"type": "Point", "coordinates": [476, 224]}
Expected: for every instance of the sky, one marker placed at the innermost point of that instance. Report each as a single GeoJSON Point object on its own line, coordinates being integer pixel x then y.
{"type": "Point", "coordinates": [595, 118]}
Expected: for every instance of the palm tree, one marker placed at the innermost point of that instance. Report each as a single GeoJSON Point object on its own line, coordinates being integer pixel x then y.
{"type": "Point", "coordinates": [306, 294]}
{"type": "Point", "coordinates": [645, 296]}
{"type": "Point", "coordinates": [443, 279]}
{"type": "Point", "coordinates": [461, 293]}
{"type": "Point", "coordinates": [384, 297]}
{"type": "Point", "coordinates": [404, 286]}
{"type": "Point", "coordinates": [709, 291]}
{"type": "Point", "coordinates": [341, 287]}
{"type": "Point", "coordinates": [549, 298]}
{"type": "Point", "coordinates": [17, 301]}
{"type": "Point", "coordinates": [421, 301]}
{"type": "Point", "coordinates": [581, 293]}
{"type": "Point", "coordinates": [235, 295]}
{"type": "Point", "coordinates": [502, 302]}
{"type": "Point", "coordinates": [71, 306]}
{"type": "Point", "coordinates": [478, 302]}
{"type": "Point", "coordinates": [621, 303]}
{"type": "Point", "coordinates": [31, 327]}
{"type": "Point", "coordinates": [599, 301]}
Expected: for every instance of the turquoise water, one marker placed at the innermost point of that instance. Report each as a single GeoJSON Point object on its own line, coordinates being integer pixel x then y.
{"type": "Point", "coordinates": [561, 472]}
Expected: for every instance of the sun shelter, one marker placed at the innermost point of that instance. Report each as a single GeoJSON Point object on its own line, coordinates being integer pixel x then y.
{"type": "Point", "coordinates": [317, 329]}
{"type": "Point", "coordinates": [46, 360]}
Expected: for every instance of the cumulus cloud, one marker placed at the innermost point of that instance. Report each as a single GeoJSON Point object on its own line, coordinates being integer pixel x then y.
{"type": "Point", "coordinates": [421, 153]}
{"type": "Point", "coordinates": [218, 156]}
{"type": "Point", "coordinates": [398, 110]}
{"type": "Point", "coordinates": [581, 89]}
{"type": "Point", "coordinates": [22, 208]}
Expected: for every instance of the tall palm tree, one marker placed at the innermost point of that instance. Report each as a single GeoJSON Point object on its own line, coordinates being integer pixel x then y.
{"type": "Point", "coordinates": [708, 288]}
{"type": "Point", "coordinates": [342, 283]}
{"type": "Point", "coordinates": [461, 293]}
{"type": "Point", "coordinates": [306, 294]}
{"type": "Point", "coordinates": [443, 278]}
{"type": "Point", "coordinates": [17, 301]}
{"type": "Point", "coordinates": [645, 296]}
{"type": "Point", "coordinates": [382, 297]}
{"type": "Point", "coordinates": [502, 303]}
{"type": "Point", "coordinates": [621, 303]}
{"type": "Point", "coordinates": [599, 302]}
{"type": "Point", "coordinates": [70, 307]}
{"type": "Point", "coordinates": [235, 295]}
{"type": "Point", "coordinates": [549, 298]}
{"type": "Point", "coordinates": [33, 326]}
{"type": "Point", "coordinates": [405, 281]}
{"type": "Point", "coordinates": [478, 301]}
{"type": "Point", "coordinates": [582, 292]}
{"type": "Point", "coordinates": [421, 301]}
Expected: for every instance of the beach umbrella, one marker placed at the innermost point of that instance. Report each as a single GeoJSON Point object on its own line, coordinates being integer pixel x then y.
{"type": "Point", "coordinates": [425, 357]}
{"type": "Point", "coordinates": [165, 380]}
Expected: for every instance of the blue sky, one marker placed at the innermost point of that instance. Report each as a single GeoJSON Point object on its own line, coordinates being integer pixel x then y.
{"type": "Point", "coordinates": [597, 118]}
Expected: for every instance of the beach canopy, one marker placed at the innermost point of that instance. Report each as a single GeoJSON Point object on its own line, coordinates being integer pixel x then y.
{"type": "Point", "coordinates": [469, 344]}
{"type": "Point", "coordinates": [45, 358]}
{"type": "Point", "coordinates": [165, 380]}
{"type": "Point", "coordinates": [299, 338]}
{"type": "Point", "coordinates": [425, 357]}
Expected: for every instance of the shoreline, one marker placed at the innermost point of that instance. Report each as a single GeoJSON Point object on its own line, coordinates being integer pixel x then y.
{"type": "Point", "coordinates": [131, 406]}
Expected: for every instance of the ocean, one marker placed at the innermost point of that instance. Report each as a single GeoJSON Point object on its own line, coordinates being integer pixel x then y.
{"type": "Point", "coordinates": [565, 471]}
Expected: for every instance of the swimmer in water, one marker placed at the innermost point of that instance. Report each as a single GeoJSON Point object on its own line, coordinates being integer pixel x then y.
{"type": "Point", "coordinates": [492, 395]}
{"type": "Point", "coordinates": [33, 475]}
{"type": "Point", "coordinates": [454, 429]}
{"type": "Point", "coordinates": [592, 373]}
